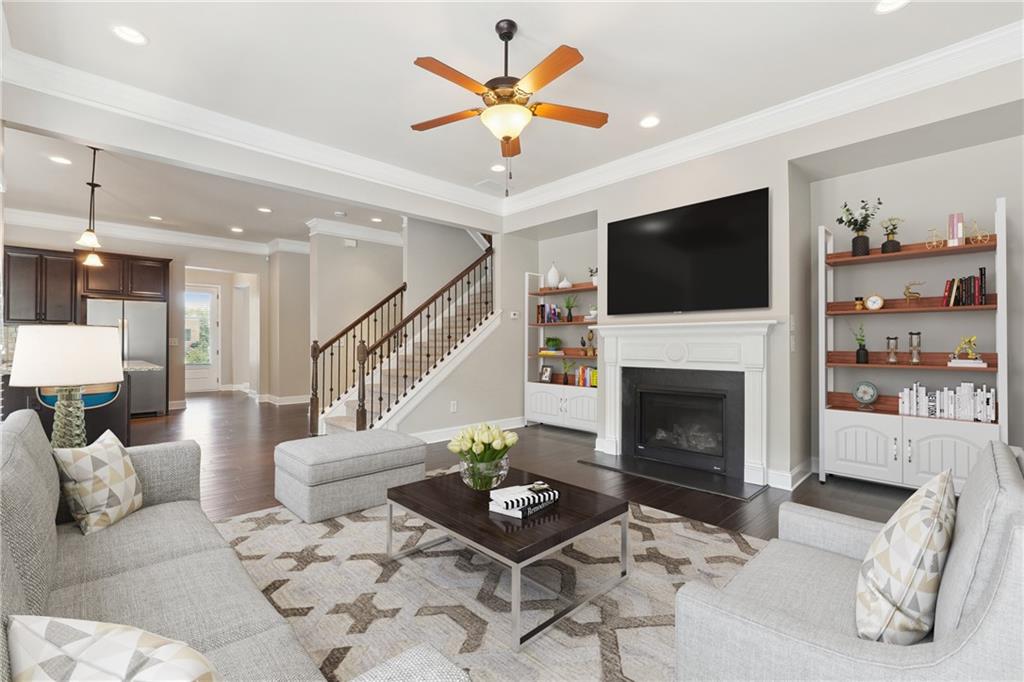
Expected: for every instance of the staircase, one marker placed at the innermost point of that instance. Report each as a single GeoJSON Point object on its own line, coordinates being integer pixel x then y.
{"type": "Point", "coordinates": [364, 374]}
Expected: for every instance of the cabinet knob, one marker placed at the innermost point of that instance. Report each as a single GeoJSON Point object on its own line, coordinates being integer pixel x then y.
{"type": "Point", "coordinates": [910, 451]}
{"type": "Point", "coordinates": [895, 449]}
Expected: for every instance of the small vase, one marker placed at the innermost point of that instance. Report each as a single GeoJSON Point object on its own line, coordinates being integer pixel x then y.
{"type": "Point", "coordinates": [593, 280]}
{"type": "Point", "coordinates": [565, 379]}
{"type": "Point", "coordinates": [890, 245]}
{"type": "Point", "coordinates": [553, 277]}
{"type": "Point", "coordinates": [568, 317]}
{"type": "Point", "coordinates": [861, 245]}
{"type": "Point", "coordinates": [862, 355]}
{"type": "Point", "coordinates": [484, 475]}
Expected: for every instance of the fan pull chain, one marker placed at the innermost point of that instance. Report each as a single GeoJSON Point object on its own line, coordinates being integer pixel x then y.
{"type": "Point", "coordinates": [508, 177]}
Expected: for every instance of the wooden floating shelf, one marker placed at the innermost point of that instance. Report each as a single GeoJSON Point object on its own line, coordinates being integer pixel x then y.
{"type": "Point", "coordinates": [886, 404]}
{"type": "Point", "coordinates": [564, 324]}
{"type": "Point", "coordinates": [907, 252]}
{"type": "Point", "coordinates": [570, 352]}
{"type": "Point", "coordinates": [929, 361]}
{"type": "Point", "coordinates": [925, 304]}
{"type": "Point", "coordinates": [575, 288]}
{"type": "Point", "coordinates": [556, 380]}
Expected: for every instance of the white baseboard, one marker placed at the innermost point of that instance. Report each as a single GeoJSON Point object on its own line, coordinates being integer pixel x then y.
{"type": "Point", "coordinates": [176, 405]}
{"type": "Point", "coordinates": [789, 480]}
{"type": "Point", "coordinates": [235, 387]}
{"type": "Point", "coordinates": [609, 446]}
{"type": "Point", "coordinates": [449, 432]}
{"type": "Point", "coordinates": [753, 474]}
{"type": "Point", "coordinates": [282, 399]}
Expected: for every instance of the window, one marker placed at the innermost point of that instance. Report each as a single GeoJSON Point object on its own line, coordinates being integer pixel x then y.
{"type": "Point", "coordinates": [197, 327]}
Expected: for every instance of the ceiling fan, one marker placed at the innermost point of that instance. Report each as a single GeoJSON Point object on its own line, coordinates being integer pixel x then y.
{"type": "Point", "coordinates": [507, 109]}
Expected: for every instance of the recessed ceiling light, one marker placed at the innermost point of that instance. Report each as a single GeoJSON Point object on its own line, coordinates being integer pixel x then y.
{"type": "Point", "coordinates": [376, 220]}
{"type": "Point", "coordinates": [340, 214]}
{"type": "Point", "coordinates": [497, 168]}
{"type": "Point", "coordinates": [61, 160]}
{"type": "Point", "coordinates": [237, 229]}
{"type": "Point", "coordinates": [155, 217]}
{"type": "Point", "coordinates": [890, 6]}
{"type": "Point", "coordinates": [130, 35]}
{"type": "Point", "coordinates": [649, 121]}
{"type": "Point", "coordinates": [264, 209]}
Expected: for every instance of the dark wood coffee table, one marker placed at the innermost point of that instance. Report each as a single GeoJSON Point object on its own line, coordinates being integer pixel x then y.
{"type": "Point", "coordinates": [448, 504]}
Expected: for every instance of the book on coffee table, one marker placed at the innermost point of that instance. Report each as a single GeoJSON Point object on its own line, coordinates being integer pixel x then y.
{"type": "Point", "coordinates": [521, 512]}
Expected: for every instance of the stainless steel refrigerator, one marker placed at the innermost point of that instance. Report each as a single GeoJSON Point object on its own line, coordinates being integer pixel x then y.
{"type": "Point", "coordinates": [143, 326]}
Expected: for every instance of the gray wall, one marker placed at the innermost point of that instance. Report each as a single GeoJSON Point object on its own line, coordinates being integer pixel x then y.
{"type": "Point", "coordinates": [923, 192]}
{"type": "Point", "coordinates": [289, 325]}
{"type": "Point", "coordinates": [572, 254]}
{"type": "Point", "coordinates": [433, 255]}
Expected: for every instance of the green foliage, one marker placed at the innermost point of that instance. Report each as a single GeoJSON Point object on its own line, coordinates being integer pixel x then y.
{"type": "Point", "coordinates": [567, 366]}
{"type": "Point", "coordinates": [861, 220]}
{"type": "Point", "coordinates": [553, 343]}
{"type": "Point", "coordinates": [891, 226]}
{"type": "Point", "coordinates": [858, 334]}
{"type": "Point", "coordinates": [197, 352]}
{"type": "Point", "coordinates": [570, 302]}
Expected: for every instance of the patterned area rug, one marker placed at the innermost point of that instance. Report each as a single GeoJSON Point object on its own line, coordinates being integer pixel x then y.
{"type": "Point", "coordinates": [352, 608]}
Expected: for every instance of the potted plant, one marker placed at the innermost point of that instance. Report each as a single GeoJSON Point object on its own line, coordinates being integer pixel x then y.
{"type": "Point", "coordinates": [567, 367]}
{"type": "Point", "coordinates": [553, 343]}
{"type": "Point", "coordinates": [483, 455]}
{"type": "Point", "coordinates": [891, 226]}
{"type": "Point", "coordinates": [593, 275]}
{"type": "Point", "coordinates": [862, 351]}
{"type": "Point", "coordinates": [859, 222]}
{"type": "Point", "coordinates": [570, 303]}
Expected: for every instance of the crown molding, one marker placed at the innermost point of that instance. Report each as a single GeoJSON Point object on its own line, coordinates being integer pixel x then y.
{"type": "Point", "coordinates": [66, 82]}
{"type": "Point", "coordinates": [336, 228]}
{"type": "Point", "coordinates": [952, 62]}
{"type": "Point", "coordinates": [62, 223]}
{"type": "Point", "coordinates": [288, 246]}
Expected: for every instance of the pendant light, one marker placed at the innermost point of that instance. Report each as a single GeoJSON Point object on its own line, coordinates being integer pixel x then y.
{"type": "Point", "coordinates": [88, 239]}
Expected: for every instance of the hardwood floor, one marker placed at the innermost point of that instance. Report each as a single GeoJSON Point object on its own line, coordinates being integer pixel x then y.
{"type": "Point", "coordinates": [238, 437]}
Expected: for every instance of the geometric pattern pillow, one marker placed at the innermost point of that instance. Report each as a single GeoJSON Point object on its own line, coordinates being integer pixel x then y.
{"type": "Point", "coordinates": [43, 648]}
{"type": "Point", "coordinates": [898, 582]}
{"type": "Point", "coordinates": [99, 482]}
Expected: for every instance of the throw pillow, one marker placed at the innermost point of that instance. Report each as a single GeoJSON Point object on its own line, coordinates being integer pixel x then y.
{"type": "Point", "coordinates": [899, 580]}
{"type": "Point", "coordinates": [99, 482]}
{"type": "Point", "coordinates": [44, 648]}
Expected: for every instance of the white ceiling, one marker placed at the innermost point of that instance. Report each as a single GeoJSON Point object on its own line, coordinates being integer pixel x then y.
{"type": "Point", "coordinates": [132, 189]}
{"type": "Point", "coordinates": [342, 73]}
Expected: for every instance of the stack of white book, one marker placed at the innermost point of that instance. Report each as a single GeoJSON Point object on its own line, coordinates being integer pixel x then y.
{"type": "Point", "coordinates": [965, 402]}
{"type": "Point", "coordinates": [520, 501]}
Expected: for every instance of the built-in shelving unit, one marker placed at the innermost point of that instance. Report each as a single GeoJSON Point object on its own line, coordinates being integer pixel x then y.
{"type": "Point", "coordinates": [878, 443]}
{"type": "Point", "coordinates": [555, 402]}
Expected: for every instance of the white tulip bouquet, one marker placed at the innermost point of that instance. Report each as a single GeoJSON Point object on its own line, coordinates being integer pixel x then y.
{"type": "Point", "coordinates": [483, 449]}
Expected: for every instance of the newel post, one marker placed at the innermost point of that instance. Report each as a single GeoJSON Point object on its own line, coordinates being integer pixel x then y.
{"type": "Point", "coordinates": [361, 355]}
{"type": "Point", "coordinates": [314, 398]}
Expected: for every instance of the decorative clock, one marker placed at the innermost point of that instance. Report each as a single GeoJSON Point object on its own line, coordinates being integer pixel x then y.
{"type": "Point", "coordinates": [874, 302]}
{"type": "Point", "coordinates": [865, 393]}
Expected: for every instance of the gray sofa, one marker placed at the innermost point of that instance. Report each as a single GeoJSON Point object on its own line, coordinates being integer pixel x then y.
{"type": "Point", "coordinates": [789, 613]}
{"type": "Point", "coordinates": [164, 568]}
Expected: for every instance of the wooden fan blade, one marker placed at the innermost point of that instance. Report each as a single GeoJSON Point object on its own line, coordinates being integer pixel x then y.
{"type": "Point", "coordinates": [444, 120]}
{"type": "Point", "coordinates": [441, 69]}
{"type": "Point", "coordinates": [511, 148]}
{"type": "Point", "coordinates": [553, 66]}
{"type": "Point", "coordinates": [558, 112]}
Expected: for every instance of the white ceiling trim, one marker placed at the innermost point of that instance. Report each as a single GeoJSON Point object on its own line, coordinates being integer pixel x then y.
{"type": "Point", "coordinates": [959, 60]}
{"type": "Point", "coordinates": [58, 80]}
{"type": "Point", "coordinates": [336, 228]}
{"type": "Point", "coordinates": [288, 246]}
{"type": "Point", "coordinates": [75, 225]}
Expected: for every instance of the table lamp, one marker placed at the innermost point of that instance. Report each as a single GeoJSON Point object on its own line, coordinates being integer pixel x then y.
{"type": "Point", "coordinates": [67, 357]}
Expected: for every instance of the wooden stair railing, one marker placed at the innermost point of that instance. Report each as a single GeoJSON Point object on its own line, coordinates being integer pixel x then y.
{"type": "Point", "coordinates": [400, 362]}
{"type": "Point", "coordinates": [335, 360]}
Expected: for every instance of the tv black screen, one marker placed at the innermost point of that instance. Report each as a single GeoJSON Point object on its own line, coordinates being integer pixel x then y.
{"type": "Point", "coordinates": [707, 256]}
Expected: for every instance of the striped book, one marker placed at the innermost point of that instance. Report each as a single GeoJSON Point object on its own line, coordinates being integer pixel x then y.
{"type": "Point", "coordinates": [516, 497]}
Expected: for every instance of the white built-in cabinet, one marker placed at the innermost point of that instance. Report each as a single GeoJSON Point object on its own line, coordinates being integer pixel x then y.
{"type": "Point", "coordinates": [573, 407]}
{"type": "Point", "coordinates": [901, 450]}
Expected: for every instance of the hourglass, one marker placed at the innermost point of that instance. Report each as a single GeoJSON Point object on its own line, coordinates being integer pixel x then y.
{"type": "Point", "coordinates": [915, 348]}
{"type": "Point", "coordinates": [892, 345]}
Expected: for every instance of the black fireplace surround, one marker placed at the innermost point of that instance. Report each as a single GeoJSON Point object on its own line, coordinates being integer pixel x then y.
{"type": "Point", "coordinates": [685, 418]}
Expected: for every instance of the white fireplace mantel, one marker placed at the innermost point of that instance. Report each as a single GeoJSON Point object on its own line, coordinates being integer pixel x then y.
{"type": "Point", "coordinates": [723, 346]}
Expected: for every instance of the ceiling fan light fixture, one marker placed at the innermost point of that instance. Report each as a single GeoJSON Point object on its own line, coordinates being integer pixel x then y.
{"type": "Point", "coordinates": [93, 260]}
{"type": "Point", "coordinates": [88, 240]}
{"type": "Point", "coordinates": [506, 121]}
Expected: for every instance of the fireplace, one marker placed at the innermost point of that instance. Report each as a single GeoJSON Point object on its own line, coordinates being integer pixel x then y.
{"type": "Point", "coordinates": [684, 418]}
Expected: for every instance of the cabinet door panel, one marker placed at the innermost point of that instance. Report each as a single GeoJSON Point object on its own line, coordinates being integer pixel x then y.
{"type": "Point", "coordinates": [543, 404]}
{"type": "Point", "coordinates": [581, 411]}
{"type": "Point", "coordinates": [932, 445]}
{"type": "Point", "coordinates": [863, 444]}
{"type": "Point", "coordinates": [58, 288]}
{"type": "Point", "coordinates": [107, 280]}
{"type": "Point", "coordinates": [21, 286]}
{"type": "Point", "coordinates": [147, 278]}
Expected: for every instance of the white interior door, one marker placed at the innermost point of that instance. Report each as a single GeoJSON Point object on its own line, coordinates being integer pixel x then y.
{"type": "Point", "coordinates": [202, 338]}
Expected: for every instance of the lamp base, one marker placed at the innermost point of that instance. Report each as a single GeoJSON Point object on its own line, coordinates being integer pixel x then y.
{"type": "Point", "coordinates": [68, 418]}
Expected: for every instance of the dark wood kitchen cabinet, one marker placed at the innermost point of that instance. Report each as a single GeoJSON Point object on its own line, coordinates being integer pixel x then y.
{"type": "Point", "coordinates": [39, 285]}
{"type": "Point", "coordinates": [124, 276]}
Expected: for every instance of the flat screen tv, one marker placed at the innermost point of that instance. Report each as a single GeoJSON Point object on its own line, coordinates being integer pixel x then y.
{"type": "Point", "coordinates": [707, 256]}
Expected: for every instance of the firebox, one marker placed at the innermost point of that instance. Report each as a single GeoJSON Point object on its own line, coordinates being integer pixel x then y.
{"type": "Point", "coordinates": [685, 418]}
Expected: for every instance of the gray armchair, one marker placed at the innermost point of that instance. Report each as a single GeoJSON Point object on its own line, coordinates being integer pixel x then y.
{"type": "Point", "coordinates": [789, 614]}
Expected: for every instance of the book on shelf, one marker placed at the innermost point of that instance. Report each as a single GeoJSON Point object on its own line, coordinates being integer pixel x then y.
{"type": "Point", "coordinates": [963, 403]}
{"type": "Point", "coordinates": [586, 376]}
{"type": "Point", "coordinates": [548, 353]}
{"type": "Point", "coordinates": [970, 290]}
{"type": "Point", "coordinates": [547, 313]}
{"type": "Point", "coordinates": [517, 496]}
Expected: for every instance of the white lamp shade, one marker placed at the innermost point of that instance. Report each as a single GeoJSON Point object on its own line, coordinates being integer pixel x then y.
{"type": "Point", "coordinates": [66, 355]}
{"type": "Point", "coordinates": [89, 240]}
{"type": "Point", "coordinates": [506, 121]}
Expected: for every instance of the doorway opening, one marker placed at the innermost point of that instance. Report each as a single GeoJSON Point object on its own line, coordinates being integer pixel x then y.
{"type": "Point", "coordinates": [201, 338]}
